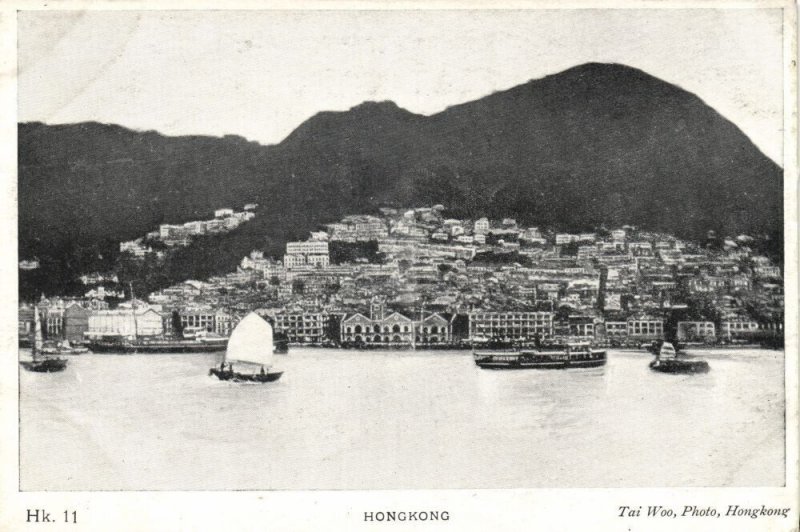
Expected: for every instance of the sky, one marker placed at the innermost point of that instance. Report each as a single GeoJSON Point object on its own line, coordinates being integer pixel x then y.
{"type": "Point", "coordinates": [260, 74]}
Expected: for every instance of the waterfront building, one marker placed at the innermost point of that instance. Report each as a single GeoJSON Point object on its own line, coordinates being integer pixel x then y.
{"type": "Point", "coordinates": [355, 328]}
{"type": "Point", "coordinates": [147, 322]}
{"type": "Point", "coordinates": [394, 329]}
{"type": "Point", "coordinates": [433, 329]}
{"type": "Point", "coordinates": [741, 328]}
{"type": "Point", "coordinates": [204, 319]}
{"type": "Point", "coordinates": [693, 331]}
{"type": "Point", "coordinates": [54, 321]}
{"type": "Point", "coordinates": [645, 328]}
{"type": "Point", "coordinates": [583, 326]}
{"type": "Point", "coordinates": [25, 321]}
{"type": "Point", "coordinates": [76, 322]}
{"type": "Point", "coordinates": [224, 323]}
{"type": "Point", "coordinates": [303, 327]}
{"type": "Point", "coordinates": [616, 329]}
{"type": "Point", "coordinates": [522, 326]}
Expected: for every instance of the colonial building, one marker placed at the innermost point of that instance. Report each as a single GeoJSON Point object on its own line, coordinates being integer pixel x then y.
{"type": "Point", "coordinates": [510, 325]}
{"type": "Point", "coordinates": [433, 329]}
{"type": "Point", "coordinates": [355, 328]}
{"type": "Point", "coordinates": [394, 330]}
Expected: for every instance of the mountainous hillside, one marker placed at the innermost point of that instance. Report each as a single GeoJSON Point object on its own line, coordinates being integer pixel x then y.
{"type": "Point", "coordinates": [596, 144]}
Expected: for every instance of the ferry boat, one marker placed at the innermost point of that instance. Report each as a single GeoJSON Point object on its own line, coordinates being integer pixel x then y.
{"type": "Point", "coordinates": [543, 357]}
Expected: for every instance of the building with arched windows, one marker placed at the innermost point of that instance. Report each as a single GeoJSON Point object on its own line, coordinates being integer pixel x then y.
{"type": "Point", "coordinates": [433, 329]}
{"type": "Point", "coordinates": [395, 329]}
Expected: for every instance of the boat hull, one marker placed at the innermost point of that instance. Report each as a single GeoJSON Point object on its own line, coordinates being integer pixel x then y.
{"type": "Point", "coordinates": [63, 352]}
{"type": "Point", "coordinates": [541, 360]}
{"type": "Point", "coordinates": [156, 348]}
{"type": "Point", "coordinates": [227, 375]}
{"type": "Point", "coordinates": [50, 365]}
{"type": "Point", "coordinates": [680, 366]}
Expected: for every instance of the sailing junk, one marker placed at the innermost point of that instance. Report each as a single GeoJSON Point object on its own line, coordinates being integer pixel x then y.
{"type": "Point", "coordinates": [41, 363]}
{"type": "Point", "coordinates": [668, 360]}
{"type": "Point", "coordinates": [250, 345]}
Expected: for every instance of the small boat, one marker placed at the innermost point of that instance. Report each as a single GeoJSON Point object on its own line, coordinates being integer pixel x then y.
{"type": "Point", "coordinates": [250, 345]}
{"type": "Point", "coordinates": [668, 360]}
{"type": "Point", "coordinates": [543, 357]}
{"type": "Point", "coordinates": [41, 363]}
{"type": "Point", "coordinates": [62, 348]}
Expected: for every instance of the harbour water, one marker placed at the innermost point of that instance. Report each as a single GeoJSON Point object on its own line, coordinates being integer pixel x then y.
{"type": "Point", "coordinates": [382, 420]}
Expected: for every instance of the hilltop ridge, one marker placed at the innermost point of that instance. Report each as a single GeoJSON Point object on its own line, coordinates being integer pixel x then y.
{"type": "Point", "coordinates": [595, 144]}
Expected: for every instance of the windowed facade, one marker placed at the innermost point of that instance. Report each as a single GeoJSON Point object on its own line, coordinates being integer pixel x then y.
{"type": "Point", "coordinates": [510, 325]}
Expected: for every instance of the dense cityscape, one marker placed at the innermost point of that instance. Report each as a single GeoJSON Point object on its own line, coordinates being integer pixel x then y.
{"type": "Point", "coordinates": [414, 278]}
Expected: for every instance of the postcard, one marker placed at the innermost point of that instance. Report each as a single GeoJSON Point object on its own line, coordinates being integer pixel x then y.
{"type": "Point", "coordinates": [370, 266]}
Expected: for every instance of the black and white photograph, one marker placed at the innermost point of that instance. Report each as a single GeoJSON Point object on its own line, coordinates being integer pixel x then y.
{"type": "Point", "coordinates": [401, 249]}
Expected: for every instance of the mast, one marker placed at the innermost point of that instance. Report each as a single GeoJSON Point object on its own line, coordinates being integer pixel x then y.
{"type": "Point", "coordinates": [37, 333]}
{"type": "Point", "coordinates": [133, 310]}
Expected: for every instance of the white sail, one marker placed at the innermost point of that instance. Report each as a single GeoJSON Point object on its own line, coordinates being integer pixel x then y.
{"type": "Point", "coordinates": [251, 341]}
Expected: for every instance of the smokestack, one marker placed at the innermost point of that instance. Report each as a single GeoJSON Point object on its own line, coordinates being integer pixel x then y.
{"type": "Point", "coordinates": [601, 292]}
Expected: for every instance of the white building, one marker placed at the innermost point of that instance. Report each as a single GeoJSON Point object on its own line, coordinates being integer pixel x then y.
{"type": "Point", "coordinates": [146, 322]}
{"type": "Point", "coordinates": [565, 238]}
{"type": "Point", "coordinates": [510, 325]}
{"type": "Point", "coordinates": [312, 253]}
{"type": "Point", "coordinates": [618, 234]}
{"type": "Point", "coordinates": [646, 328]}
{"type": "Point", "coordinates": [737, 328]}
{"type": "Point", "coordinates": [481, 226]}
{"type": "Point", "coordinates": [696, 330]}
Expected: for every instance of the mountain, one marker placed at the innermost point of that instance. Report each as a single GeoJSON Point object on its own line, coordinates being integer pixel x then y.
{"type": "Point", "coordinates": [595, 144]}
